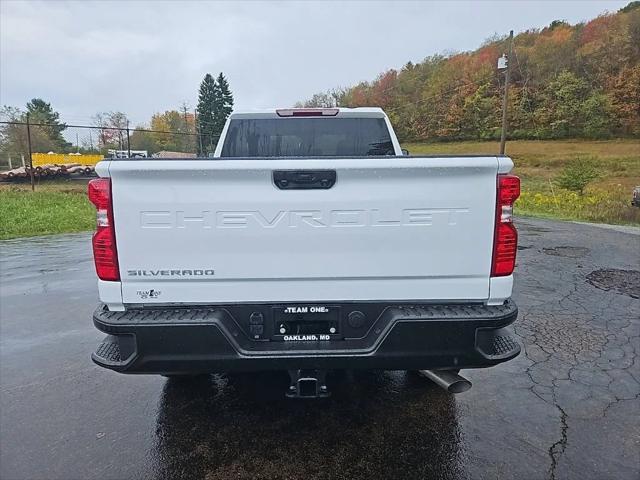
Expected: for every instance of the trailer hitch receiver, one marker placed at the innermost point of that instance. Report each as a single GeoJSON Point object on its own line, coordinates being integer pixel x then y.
{"type": "Point", "coordinates": [308, 384]}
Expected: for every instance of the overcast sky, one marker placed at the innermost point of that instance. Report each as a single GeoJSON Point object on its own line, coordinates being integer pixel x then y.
{"type": "Point", "coordinates": [145, 57]}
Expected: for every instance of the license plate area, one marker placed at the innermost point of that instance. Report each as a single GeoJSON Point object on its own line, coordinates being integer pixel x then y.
{"type": "Point", "coordinates": [306, 323]}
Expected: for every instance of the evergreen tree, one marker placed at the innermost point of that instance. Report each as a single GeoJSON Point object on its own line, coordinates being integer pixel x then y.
{"type": "Point", "coordinates": [223, 104]}
{"type": "Point", "coordinates": [41, 112]}
{"type": "Point", "coordinates": [207, 114]}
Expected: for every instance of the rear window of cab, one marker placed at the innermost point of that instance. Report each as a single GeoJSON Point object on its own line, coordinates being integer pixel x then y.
{"type": "Point", "coordinates": [307, 137]}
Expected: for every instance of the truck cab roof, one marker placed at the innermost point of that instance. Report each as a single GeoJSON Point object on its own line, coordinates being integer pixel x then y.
{"type": "Point", "coordinates": [360, 112]}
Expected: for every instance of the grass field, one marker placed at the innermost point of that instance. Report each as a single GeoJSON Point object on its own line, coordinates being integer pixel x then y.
{"type": "Point", "coordinates": [60, 207]}
{"type": "Point", "coordinates": [539, 163]}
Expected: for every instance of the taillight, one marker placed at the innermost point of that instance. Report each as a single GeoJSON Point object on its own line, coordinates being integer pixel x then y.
{"type": "Point", "coordinates": [104, 240]}
{"type": "Point", "coordinates": [505, 242]}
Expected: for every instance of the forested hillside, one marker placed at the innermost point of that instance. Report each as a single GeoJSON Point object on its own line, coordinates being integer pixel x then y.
{"type": "Point", "coordinates": [567, 81]}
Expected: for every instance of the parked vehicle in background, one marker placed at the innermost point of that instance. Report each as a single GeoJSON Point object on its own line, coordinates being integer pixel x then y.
{"type": "Point", "coordinates": [112, 153]}
{"type": "Point", "coordinates": [310, 242]}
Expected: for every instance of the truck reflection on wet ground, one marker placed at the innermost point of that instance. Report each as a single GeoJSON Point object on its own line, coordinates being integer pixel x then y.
{"type": "Point", "coordinates": [375, 425]}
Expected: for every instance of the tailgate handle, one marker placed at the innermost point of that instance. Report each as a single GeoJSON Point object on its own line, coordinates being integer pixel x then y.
{"type": "Point", "coordinates": [304, 179]}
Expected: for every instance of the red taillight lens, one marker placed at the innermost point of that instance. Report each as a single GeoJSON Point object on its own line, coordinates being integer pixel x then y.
{"type": "Point", "coordinates": [506, 237]}
{"type": "Point", "coordinates": [504, 250]}
{"type": "Point", "coordinates": [508, 189]}
{"type": "Point", "coordinates": [104, 240]}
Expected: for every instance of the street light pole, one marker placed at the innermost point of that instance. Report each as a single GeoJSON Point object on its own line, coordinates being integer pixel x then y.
{"type": "Point", "coordinates": [505, 98]}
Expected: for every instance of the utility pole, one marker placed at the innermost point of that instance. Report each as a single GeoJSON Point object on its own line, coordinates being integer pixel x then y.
{"type": "Point", "coordinates": [505, 98]}
{"type": "Point", "coordinates": [33, 185]}
{"type": "Point", "coordinates": [128, 141]}
{"type": "Point", "coordinates": [195, 117]}
{"type": "Point", "coordinates": [186, 142]}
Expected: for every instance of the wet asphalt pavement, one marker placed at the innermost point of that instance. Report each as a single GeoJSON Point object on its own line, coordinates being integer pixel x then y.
{"type": "Point", "coordinates": [567, 407]}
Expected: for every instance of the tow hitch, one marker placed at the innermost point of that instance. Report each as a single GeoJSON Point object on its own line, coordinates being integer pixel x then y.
{"type": "Point", "coordinates": [308, 384]}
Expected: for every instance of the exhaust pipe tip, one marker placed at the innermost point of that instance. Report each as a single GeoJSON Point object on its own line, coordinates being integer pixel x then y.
{"type": "Point", "coordinates": [459, 386]}
{"type": "Point", "coordinates": [448, 380]}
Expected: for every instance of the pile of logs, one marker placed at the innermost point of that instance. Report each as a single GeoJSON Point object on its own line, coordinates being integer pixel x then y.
{"type": "Point", "coordinates": [47, 171]}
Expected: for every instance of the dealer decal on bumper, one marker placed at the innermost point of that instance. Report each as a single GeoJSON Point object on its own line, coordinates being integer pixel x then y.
{"type": "Point", "coordinates": [312, 309]}
{"type": "Point", "coordinates": [305, 338]}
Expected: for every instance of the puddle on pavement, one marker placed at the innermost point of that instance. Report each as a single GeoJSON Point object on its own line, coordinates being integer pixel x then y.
{"type": "Point", "coordinates": [625, 282]}
{"type": "Point", "coordinates": [531, 230]}
{"type": "Point", "coordinates": [566, 251]}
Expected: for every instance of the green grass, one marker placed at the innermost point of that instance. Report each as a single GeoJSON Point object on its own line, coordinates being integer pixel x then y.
{"type": "Point", "coordinates": [539, 163]}
{"type": "Point", "coordinates": [62, 207]}
{"type": "Point", "coordinates": [611, 205]}
{"type": "Point", "coordinates": [53, 208]}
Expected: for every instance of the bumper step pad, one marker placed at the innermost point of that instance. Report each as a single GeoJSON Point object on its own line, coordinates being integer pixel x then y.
{"type": "Point", "coordinates": [497, 344]}
{"type": "Point", "coordinates": [502, 345]}
{"type": "Point", "coordinates": [109, 353]}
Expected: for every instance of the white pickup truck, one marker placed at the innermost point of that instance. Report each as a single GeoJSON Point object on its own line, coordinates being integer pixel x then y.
{"type": "Point", "coordinates": [308, 242]}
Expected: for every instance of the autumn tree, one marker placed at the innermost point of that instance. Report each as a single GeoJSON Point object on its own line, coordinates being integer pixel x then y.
{"type": "Point", "coordinates": [566, 81]}
{"type": "Point", "coordinates": [141, 139]}
{"type": "Point", "coordinates": [318, 100]}
{"type": "Point", "coordinates": [112, 129]}
{"type": "Point", "coordinates": [625, 92]}
{"type": "Point", "coordinates": [172, 131]}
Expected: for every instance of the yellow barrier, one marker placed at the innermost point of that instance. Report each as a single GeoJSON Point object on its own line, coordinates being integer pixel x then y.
{"type": "Point", "coordinates": [40, 159]}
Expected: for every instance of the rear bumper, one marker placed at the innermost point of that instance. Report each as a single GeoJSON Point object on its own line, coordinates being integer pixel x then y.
{"type": "Point", "coordinates": [215, 339]}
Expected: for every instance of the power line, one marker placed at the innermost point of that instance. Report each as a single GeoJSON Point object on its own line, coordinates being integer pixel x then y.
{"type": "Point", "coordinates": [95, 127]}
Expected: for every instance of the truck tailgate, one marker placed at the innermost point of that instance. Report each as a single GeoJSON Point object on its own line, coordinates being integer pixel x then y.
{"type": "Point", "coordinates": [219, 231]}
